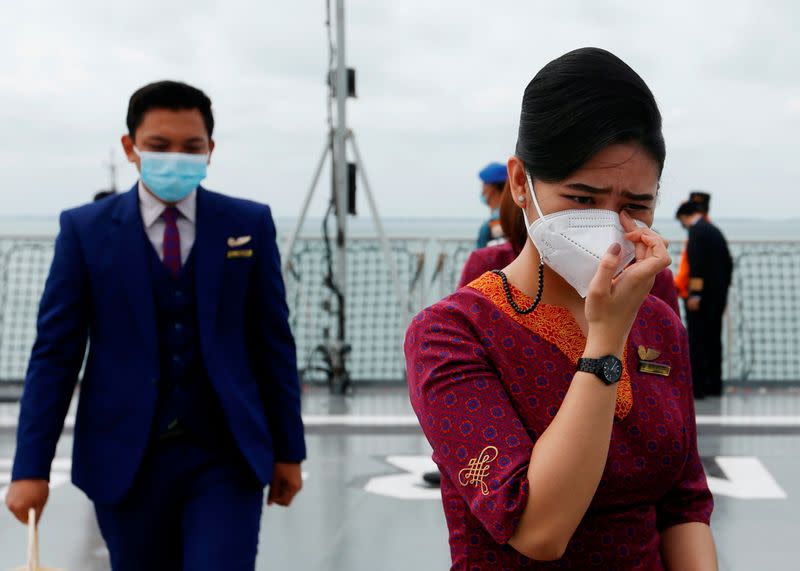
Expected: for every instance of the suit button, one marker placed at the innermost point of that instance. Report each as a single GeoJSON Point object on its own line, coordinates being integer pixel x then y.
{"type": "Point", "coordinates": [154, 380]}
{"type": "Point", "coordinates": [179, 327]}
{"type": "Point", "coordinates": [176, 358]}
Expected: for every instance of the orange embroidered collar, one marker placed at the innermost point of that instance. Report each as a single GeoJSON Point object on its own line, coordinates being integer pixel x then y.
{"type": "Point", "coordinates": [555, 325]}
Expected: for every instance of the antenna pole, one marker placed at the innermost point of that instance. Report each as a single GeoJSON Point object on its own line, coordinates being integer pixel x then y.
{"type": "Point", "coordinates": [340, 160]}
{"type": "Point", "coordinates": [112, 172]}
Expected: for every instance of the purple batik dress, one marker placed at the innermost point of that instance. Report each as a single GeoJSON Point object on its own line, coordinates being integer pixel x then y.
{"type": "Point", "coordinates": [485, 382]}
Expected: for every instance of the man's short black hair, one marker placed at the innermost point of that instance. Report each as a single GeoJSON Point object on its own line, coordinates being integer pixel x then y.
{"type": "Point", "coordinates": [688, 208]}
{"type": "Point", "coordinates": [172, 95]}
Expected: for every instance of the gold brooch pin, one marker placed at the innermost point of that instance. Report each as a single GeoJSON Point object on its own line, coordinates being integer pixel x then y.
{"type": "Point", "coordinates": [477, 469]}
{"type": "Point", "coordinates": [234, 242]}
{"type": "Point", "coordinates": [647, 356]}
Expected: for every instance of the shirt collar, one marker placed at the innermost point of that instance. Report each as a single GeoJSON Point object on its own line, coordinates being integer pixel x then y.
{"type": "Point", "coordinates": [152, 208]}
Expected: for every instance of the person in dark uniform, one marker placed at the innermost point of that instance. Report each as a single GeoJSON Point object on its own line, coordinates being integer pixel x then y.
{"type": "Point", "coordinates": [710, 269]}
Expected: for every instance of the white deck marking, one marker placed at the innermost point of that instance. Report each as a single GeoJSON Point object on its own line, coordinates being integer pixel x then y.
{"type": "Point", "coordinates": [409, 484]}
{"type": "Point", "coordinates": [746, 479]}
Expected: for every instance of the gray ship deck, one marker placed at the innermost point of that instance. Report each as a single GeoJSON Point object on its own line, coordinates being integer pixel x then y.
{"type": "Point", "coordinates": [364, 507]}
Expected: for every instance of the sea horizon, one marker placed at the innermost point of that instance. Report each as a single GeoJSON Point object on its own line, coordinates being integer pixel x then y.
{"type": "Point", "coordinates": [734, 228]}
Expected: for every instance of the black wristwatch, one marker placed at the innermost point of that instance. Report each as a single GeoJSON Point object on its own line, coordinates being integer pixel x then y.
{"type": "Point", "coordinates": [608, 369]}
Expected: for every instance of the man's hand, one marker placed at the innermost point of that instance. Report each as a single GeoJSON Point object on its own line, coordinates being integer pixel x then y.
{"type": "Point", "coordinates": [25, 494]}
{"type": "Point", "coordinates": [287, 480]}
{"type": "Point", "coordinates": [693, 303]}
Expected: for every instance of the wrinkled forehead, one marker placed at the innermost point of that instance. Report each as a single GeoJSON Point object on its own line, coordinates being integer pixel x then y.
{"type": "Point", "coordinates": [620, 168]}
{"type": "Point", "coordinates": [632, 184]}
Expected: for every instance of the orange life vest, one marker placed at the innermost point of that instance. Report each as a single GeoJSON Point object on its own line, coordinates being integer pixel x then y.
{"type": "Point", "coordinates": [682, 275]}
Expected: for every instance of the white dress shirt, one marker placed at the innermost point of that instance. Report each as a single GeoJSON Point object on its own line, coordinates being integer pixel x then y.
{"type": "Point", "coordinates": [152, 208]}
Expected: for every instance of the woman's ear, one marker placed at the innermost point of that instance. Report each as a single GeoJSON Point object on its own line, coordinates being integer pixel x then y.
{"type": "Point", "coordinates": [518, 180]}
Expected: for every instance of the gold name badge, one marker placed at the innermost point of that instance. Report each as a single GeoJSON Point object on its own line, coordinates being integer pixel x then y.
{"type": "Point", "coordinates": [654, 368]}
{"type": "Point", "coordinates": [240, 253]}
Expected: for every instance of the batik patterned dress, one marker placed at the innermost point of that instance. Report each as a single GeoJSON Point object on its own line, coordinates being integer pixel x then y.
{"type": "Point", "coordinates": [485, 382]}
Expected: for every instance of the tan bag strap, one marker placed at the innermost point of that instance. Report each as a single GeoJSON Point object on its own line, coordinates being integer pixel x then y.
{"type": "Point", "coordinates": [33, 542]}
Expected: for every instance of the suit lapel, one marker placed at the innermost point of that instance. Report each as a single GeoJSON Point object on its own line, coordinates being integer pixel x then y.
{"type": "Point", "coordinates": [209, 259]}
{"type": "Point", "coordinates": [132, 264]}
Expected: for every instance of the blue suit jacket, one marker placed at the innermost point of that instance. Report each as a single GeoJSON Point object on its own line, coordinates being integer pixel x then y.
{"type": "Point", "coordinates": [99, 288]}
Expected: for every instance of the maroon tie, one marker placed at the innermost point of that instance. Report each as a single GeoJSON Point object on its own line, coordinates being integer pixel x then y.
{"type": "Point", "coordinates": [172, 241]}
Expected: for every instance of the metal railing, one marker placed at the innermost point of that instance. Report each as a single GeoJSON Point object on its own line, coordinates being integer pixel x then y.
{"type": "Point", "coordinates": [761, 331]}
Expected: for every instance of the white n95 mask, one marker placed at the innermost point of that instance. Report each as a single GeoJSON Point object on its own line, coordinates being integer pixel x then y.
{"type": "Point", "coordinates": [572, 242]}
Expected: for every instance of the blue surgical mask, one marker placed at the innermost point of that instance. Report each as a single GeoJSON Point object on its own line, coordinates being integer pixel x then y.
{"type": "Point", "coordinates": [484, 198]}
{"type": "Point", "coordinates": [172, 176]}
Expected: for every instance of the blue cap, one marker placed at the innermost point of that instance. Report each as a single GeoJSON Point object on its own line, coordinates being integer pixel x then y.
{"type": "Point", "coordinates": [494, 173]}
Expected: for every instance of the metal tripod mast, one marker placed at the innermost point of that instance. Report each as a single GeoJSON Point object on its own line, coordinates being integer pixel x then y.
{"type": "Point", "coordinates": [339, 136]}
{"type": "Point", "coordinates": [112, 172]}
{"type": "Point", "coordinates": [340, 153]}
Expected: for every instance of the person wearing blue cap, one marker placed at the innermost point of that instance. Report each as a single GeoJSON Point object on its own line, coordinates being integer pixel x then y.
{"type": "Point", "coordinates": [493, 176]}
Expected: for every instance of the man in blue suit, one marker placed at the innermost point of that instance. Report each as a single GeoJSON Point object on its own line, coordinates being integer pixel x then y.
{"type": "Point", "coordinates": [189, 404]}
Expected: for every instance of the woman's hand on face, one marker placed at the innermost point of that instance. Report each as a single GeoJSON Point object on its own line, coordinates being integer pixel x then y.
{"type": "Point", "coordinates": [651, 253]}
{"type": "Point", "coordinates": [633, 234]}
{"type": "Point", "coordinates": [612, 302]}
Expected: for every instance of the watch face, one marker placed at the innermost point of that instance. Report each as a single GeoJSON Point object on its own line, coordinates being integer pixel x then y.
{"type": "Point", "coordinates": [612, 370]}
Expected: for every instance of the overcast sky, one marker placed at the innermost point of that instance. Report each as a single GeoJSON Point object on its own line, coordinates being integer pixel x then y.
{"type": "Point", "coordinates": [439, 81]}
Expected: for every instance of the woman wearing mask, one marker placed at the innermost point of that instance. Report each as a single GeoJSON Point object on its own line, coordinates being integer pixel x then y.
{"type": "Point", "coordinates": [555, 393]}
{"type": "Point", "coordinates": [512, 221]}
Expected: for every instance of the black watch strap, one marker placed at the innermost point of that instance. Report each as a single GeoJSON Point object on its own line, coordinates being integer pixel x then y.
{"type": "Point", "coordinates": [608, 369]}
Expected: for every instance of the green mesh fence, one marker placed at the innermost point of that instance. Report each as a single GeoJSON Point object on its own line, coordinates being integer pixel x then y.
{"type": "Point", "coordinates": [24, 264]}
{"type": "Point", "coordinates": [761, 332]}
{"type": "Point", "coordinates": [376, 320]}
